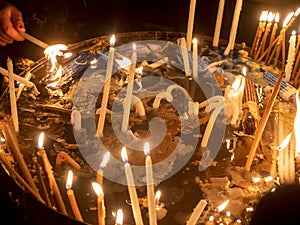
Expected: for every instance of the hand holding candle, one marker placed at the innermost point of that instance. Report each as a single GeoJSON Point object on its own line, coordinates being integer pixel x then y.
{"type": "Point", "coordinates": [71, 197]}
{"type": "Point", "coordinates": [131, 189]}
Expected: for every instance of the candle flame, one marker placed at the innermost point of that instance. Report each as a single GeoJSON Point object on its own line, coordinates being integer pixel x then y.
{"type": "Point", "coordinates": [285, 142]}
{"type": "Point", "coordinates": [139, 70]}
{"type": "Point", "coordinates": [296, 125]}
{"type": "Point", "coordinates": [228, 214]}
{"type": "Point", "coordinates": [69, 180]}
{"type": "Point", "coordinates": [157, 196]}
{"type": "Point", "coordinates": [271, 16]}
{"type": "Point", "coordinates": [287, 19]}
{"type": "Point", "coordinates": [124, 154]}
{"type": "Point", "coordinates": [119, 219]}
{"type": "Point", "coordinates": [211, 218]}
{"type": "Point", "coordinates": [268, 179]}
{"type": "Point", "coordinates": [255, 179]}
{"type": "Point", "coordinates": [147, 149]}
{"type": "Point", "coordinates": [52, 51]}
{"type": "Point", "coordinates": [297, 12]}
{"type": "Point", "coordinates": [56, 78]}
{"type": "Point", "coordinates": [98, 189]}
{"type": "Point", "coordinates": [134, 47]}
{"type": "Point", "coordinates": [112, 40]}
{"type": "Point", "coordinates": [105, 160]}
{"type": "Point", "coordinates": [195, 41]}
{"type": "Point", "coordinates": [277, 18]}
{"type": "Point", "coordinates": [263, 16]}
{"type": "Point", "coordinates": [293, 32]}
{"type": "Point", "coordinates": [221, 207]}
{"type": "Point", "coordinates": [41, 140]}
{"type": "Point", "coordinates": [244, 72]}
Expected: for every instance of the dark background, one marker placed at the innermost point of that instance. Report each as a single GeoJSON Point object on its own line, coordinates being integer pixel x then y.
{"type": "Point", "coordinates": [65, 21]}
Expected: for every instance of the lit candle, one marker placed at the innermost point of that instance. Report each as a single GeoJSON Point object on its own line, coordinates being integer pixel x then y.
{"type": "Point", "coordinates": [185, 57]}
{"type": "Point", "coordinates": [119, 217]}
{"type": "Point", "coordinates": [228, 219]}
{"type": "Point", "coordinates": [100, 203]}
{"type": "Point", "coordinates": [297, 58]}
{"type": "Point", "coordinates": [291, 56]}
{"type": "Point", "coordinates": [197, 212]}
{"type": "Point", "coordinates": [273, 33]}
{"type": "Point", "coordinates": [150, 185]}
{"type": "Point", "coordinates": [131, 189]}
{"type": "Point", "coordinates": [282, 165]}
{"type": "Point", "coordinates": [265, 35]}
{"type": "Point", "coordinates": [48, 170]}
{"type": "Point", "coordinates": [102, 165]}
{"type": "Point", "coordinates": [218, 23]}
{"type": "Point", "coordinates": [12, 96]}
{"type": "Point", "coordinates": [76, 119]}
{"type": "Point", "coordinates": [106, 88]}
{"type": "Point", "coordinates": [195, 57]}
{"type": "Point", "coordinates": [285, 22]}
{"type": "Point", "coordinates": [234, 26]}
{"type": "Point", "coordinates": [190, 24]}
{"type": "Point", "coordinates": [128, 98]}
{"type": "Point", "coordinates": [71, 196]}
{"type": "Point", "coordinates": [161, 212]}
{"type": "Point", "coordinates": [260, 28]}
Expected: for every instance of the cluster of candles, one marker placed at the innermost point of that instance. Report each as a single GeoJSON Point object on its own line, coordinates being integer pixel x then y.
{"type": "Point", "coordinates": [267, 45]}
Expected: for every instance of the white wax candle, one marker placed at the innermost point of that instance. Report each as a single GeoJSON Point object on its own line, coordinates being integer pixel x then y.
{"type": "Point", "coordinates": [150, 186]}
{"type": "Point", "coordinates": [76, 119]}
{"type": "Point", "coordinates": [185, 58]}
{"type": "Point", "coordinates": [197, 212]}
{"type": "Point", "coordinates": [234, 26]}
{"type": "Point", "coordinates": [104, 101]}
{"type": "Point", "coordinates": [190, 24]}
{"type": "Point", "coordinates": [12, 96]}
{"type": "Point", "coordinates": [291, 56]}
{"type": "Point", "coordinates": [195, 57]}
{"type": "Point", "coordinates": [131, 189]}
{"type": "Point", "coordinates": [100, 203]}
{"type": "Point", "coordinates": [218, 23]}
{"type": "Point", "coordinates": [128, 98]}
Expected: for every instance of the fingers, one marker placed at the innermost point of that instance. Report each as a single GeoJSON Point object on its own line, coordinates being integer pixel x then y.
{"type": "Point", "coordinates": [11, 23]}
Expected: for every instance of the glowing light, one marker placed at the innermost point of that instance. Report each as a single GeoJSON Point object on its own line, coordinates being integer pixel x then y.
{"type": "Point", "coordinates": [157, 197]}
{"type": "Point", "coordinates": [124, 154]}
{"type": "Point", "coordinates": [255, 179]}
{"type": "Point", "coordinates": [263, 16]}
{"type": "Point", "coordinates": [52, 51]}
{"type": "Point", "coordinates": [285, 142]}
{"type": "Point", "coordinates": [268, 179]}
{"type": "Point", "coordinates": [211, 218]}
{"type": "Point", "coordinates": [271, 16]}
{"type": "Point", "coordinates": [69, 180]}
{"type": "Point", "coordinates": [147, 149]}
{"type": "Point", "coordinates": [195, 41]}
{"type": "Point", "coordinates": [98, 189]}
{"type": "Point", "coordinates": [297, 12]}
{"type": "Point", "coordinates": [244, 72]}
{"type": "Point", "coordinates": [221, 207]}
{"type": "Point", "coordinates": [112, 40]}
{"type": "Point", "coordinates": [119, 219]}
{"type": "Point", "coordinates": [41, 140]}
{"type": "Point", "coordinates": [277, 18]}
{"type": "Point", "coordinates": [288, 19]}
{"type": "Point", "coordinates": [105, 160]}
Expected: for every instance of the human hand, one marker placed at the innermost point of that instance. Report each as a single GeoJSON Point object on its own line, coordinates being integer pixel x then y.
{"type": "Point", "coordinates": [11, 24]}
